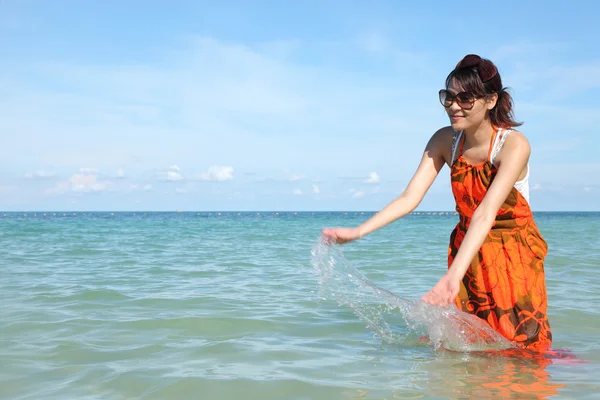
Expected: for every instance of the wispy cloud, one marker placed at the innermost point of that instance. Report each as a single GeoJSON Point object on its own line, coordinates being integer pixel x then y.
{"type": "Point", "coordinates": [41, 174]}
{"type": "Point", "coordinates": [86, 181]}
{"type": "Point", "coordinates": [553, 149]}
{"type": "Point", "coordinates": [550, 80]}
{"type": "Point", "coordinates": [221, 91]}
{"type": "Point", "coordinates": [294, 178]}
{"type": "Point", "coordinates": [285, 177]}
{"type": "Point", "coordinates": [172, 174]}
{"type": "Point", "coordinates": [8, 189]}
{"type": "Point", "coordinates": [308, 107]}
{"type": "Point", "coordinates": [573, 79]}
{"type": "Point", "coordinates": [526, 48]}
{"type": "Point", "coordinates": [291, 176]}
{"type": "Point", "coordinates": [356, 193]}
{"type": "Point", "coordinates": [567, 174]}
{"type": "Point", "coordinates": [218, 173]}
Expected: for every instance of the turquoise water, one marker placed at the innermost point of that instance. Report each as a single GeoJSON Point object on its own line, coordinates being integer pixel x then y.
{"type": "Point", "coordinates": [209, 306]}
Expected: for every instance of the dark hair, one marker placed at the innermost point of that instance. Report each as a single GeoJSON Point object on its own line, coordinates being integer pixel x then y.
{"type": "Point", "coordinates": [481, 77]}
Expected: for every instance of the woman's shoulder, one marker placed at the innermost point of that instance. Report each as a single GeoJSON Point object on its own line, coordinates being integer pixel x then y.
{"type": "Point", "coordinates": [444, 134]}
{"type": "Point", "coordinates": [513, 144]}
{"type": "Point", "coordinates": [515, 137]}
{"type": "Point", "coordinates": [441, 143]}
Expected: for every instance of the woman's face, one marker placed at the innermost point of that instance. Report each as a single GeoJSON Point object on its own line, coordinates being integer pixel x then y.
{"type": "Point", "coordinates": [464, 118]}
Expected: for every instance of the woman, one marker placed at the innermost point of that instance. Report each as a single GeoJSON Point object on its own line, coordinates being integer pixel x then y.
{"type": "Point", "coordinates": [496, 253]}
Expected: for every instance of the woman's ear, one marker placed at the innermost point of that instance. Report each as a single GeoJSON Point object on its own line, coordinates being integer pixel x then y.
{"type": "Point", "coordinates": [492, 101]}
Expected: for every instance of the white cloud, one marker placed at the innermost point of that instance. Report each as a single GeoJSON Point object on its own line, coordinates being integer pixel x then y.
{"type": "Point", "coordinates": [229, 98]}
{"type": "Point", "coordinates": [291, 176]}
{"type": "Point", "coordinates": [297, 192]}
{"type": "Point", "coordinates": [316, 189]}
{"type": "Point", "coordinates": [40, 174]}
{"type": "Point", "coordinates": [217, 173]}
{"type": "Point", "coordinates": [373, 178]}
{"type": "Point", "coordinates": [173, 176]}
{"type": "Point", "coordinates": [170, 175]}
{"type": "Point", "coordinates": [295, 178]}
{"type": "Point", "coordinates": [88, 183]}
{"type": "Point", "coordinates": [536, 186]}
{"type": "Point", "coordinates": [181, 191]}
{"type": "Point", "coordinates": [148, 187]}
{"type": "Point", "coordinates": [84, 182]}
{"type": "Point", "coordinates": [120, 174]}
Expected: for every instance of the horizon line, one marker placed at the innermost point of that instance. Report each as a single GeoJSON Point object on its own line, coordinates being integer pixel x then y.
{"type": "Point", "coordinates": [261, 211]}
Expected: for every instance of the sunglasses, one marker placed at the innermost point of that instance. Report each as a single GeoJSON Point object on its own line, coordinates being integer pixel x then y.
{"type": "Point", "coordinates": [465, 100]}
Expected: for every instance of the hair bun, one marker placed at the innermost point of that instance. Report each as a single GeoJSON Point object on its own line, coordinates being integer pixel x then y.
{"type": "Point", "coordinates": [469, 61]}
{"type": "Point", "coordinates": [486, 69]}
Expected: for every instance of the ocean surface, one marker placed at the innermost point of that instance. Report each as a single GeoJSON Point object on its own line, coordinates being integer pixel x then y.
{"type": "Point", "coordinates": [251, 305]}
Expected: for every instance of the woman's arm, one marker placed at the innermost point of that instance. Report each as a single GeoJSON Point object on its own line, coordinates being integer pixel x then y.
{"type": "Point", "coordinates": [515, 155]}
{"type": "Point", "coordinates": [434, 157]}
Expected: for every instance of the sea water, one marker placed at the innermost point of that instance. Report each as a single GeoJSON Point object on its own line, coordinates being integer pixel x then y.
{"type": "Point", "coordinates": [245, 305]}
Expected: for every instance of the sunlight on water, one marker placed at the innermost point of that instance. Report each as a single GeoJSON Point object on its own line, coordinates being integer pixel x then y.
{"type": "Point", "coordinates": [446, 327]}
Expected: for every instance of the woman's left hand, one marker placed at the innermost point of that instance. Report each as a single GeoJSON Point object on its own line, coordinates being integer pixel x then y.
{"type": "Point", "coordinates": [444, 292]}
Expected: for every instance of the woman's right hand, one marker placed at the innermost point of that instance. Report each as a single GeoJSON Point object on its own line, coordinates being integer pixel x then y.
{"type": "Point", "coordinates": [341, 235]}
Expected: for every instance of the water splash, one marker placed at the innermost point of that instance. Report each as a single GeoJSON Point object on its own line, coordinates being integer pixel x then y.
{"type": "Point", "coordinates": [446, 327]}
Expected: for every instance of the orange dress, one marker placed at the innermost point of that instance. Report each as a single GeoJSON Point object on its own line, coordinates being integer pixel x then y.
{"type": "Point", "coordinates": [505, 283]}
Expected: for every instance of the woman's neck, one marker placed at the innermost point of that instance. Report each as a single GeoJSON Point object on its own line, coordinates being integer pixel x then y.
{"type": "Point", "coordinates": [479, 135]}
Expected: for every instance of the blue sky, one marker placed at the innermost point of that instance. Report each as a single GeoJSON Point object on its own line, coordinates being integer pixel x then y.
{"type": "Point", "coordinates": [265, 105]}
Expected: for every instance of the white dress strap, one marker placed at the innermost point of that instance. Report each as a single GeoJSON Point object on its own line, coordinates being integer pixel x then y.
{"type": "Point", "coordinates": [498, 142]}
{"type": "Point", "coordinates": [523, 185]}
{"type": "Point", "coordinates": [455, 141]}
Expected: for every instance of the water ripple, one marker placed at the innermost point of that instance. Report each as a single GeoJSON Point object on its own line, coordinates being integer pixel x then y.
{"type": "Point", "coordinates": [224, 307]}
